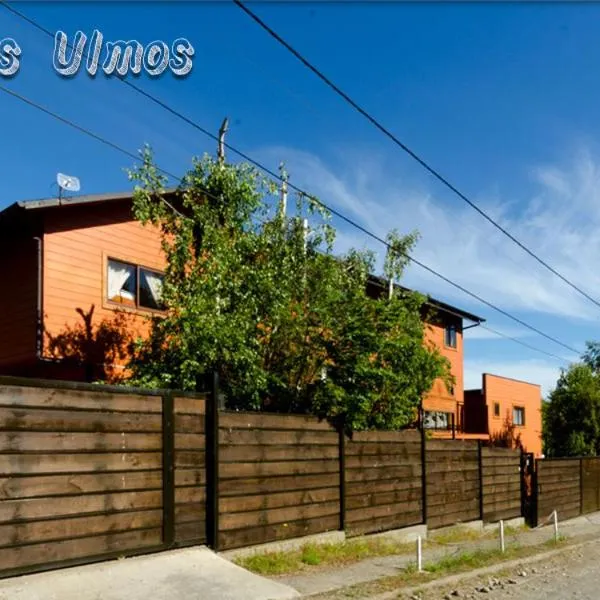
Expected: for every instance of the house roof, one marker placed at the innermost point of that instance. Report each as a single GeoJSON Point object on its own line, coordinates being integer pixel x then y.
{"type": "Point", "coordinates": [433, 302]}
{"type": "Point", "coordinates": [31, 205]}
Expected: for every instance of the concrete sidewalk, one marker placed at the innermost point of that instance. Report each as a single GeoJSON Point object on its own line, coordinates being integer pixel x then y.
{"type": "Point", "coordinates": [191, 574]}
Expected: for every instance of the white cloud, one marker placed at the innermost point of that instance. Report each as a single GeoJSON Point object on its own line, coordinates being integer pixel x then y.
{"type": "Point", "coordinates": [560, 222]}
{"type": "Point", "coordinates": [533, 371]}
{"type": "Point", "coordinates": [481, 333]}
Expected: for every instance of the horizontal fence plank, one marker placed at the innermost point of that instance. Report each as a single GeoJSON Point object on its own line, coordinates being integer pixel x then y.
{"type": "Point", "coordinates": [269, 437]}
{"type": "Point", "coordinates": [27, 464]}
{"type": "Point", "coordinates": [238, 454]}
{"type": "Point", "coordinates": [44, 508]}
{"type": "Point", "coordinates": [189, 406]}
{"type": "Point", "coordinates": [15, 396]}
{"type": "Point", "coordinates": [401, 449]}
{"type": "Point", "coordinates": [273, 516]}
{"type": "Point", "coordinates": [385, 436]}
{"type": "Point", "coordinates": [42, 441]}
{"type": "Point", "coordinates": [277, 500]}
{"type": "Point", "coordinates": [267, 485]}
{"type": "Point", "coordinates": [380, 461]}
{"type": "Point", "coordinates": [245, 420]}
{"type": "Point", "coordinates": [41, 419]}
{"type": "Point", "coordinates": [190, 441]}
{"type": "Point", "coordinates": [76, 549]}
{"type": "Point", "coordinates": [188, 513]}
{"type": "Point", "coordinates": [74, 527]}
{"type": "Point", "coordinates": [404, 519]}
{"type": "Point", "coordinates": [193, 531]}
{"type": "Point", "coordinates": [78, 484]}
{"type": "Point", "coordinates": [378, 498]}
{"type": "Point", "coordinates": [396, 472]}
{"type": "Point", "coordinates": [188, 477]}
{"type": "Point", "coordinates": [374, 512]}
{"type": "Point", "coordinates": [277, 469]}
{"type": "Point", "coordinates": [280, 531]}
{"type": "Point", "coordinates": [189, 423]}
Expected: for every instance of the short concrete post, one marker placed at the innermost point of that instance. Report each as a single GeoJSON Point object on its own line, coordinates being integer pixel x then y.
{"type": "Point", "coordinates": [555, 516]}
{"type": "Point", "coordinates": [419, 555]}
{"type": "Point", "coordinates": [502, 536]}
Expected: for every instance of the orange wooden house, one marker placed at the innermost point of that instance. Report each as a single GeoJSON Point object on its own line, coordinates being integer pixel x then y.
{"type": "Point", "coordinates": [71, 264]}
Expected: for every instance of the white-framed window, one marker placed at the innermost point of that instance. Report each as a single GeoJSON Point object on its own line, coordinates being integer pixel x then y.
{"type": "Point", "coordinates": [132, 285]}
{"type": "Point", "coordinates": [433, 419]}
{"type": "Point", "coordinates": [518, 415]}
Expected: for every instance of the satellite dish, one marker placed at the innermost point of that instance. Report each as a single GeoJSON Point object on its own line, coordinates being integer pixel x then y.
{"type": "Point", "coordinates": [68, 182]}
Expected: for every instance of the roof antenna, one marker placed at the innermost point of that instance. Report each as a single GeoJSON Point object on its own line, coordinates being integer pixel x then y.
{"type": "Point", "coordinates": [69, 183]}
{"type": "Point", "coordinates": [222, 132]}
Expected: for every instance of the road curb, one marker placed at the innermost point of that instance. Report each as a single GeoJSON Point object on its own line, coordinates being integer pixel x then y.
{"type": "Point", "coordinates": [451, 580]}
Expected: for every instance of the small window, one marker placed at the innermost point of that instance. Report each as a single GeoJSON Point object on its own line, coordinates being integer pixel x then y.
{"type": "Point", "coordinates": [134, 286]}
{"type": "Point", "coordinates": [437, 420]}
{"type": "Point", "coordinates": [496, 409]}
{"type": "Point", "coordinates": [518, 415]}
{"type": "Point", "coordinates": [450, 336]}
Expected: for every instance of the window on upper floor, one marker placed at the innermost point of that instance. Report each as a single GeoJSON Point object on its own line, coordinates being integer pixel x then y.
{"type": "Point", "coordinates": [133, 286]}
{"type": "Point", "coordinates": [437, 420]}
{"type": "Point", "coordinates": [518, 415]}
{"type": "Point", "coordinates": [450, 336]}
{"type": "Point", "coordinates": [496, 409]}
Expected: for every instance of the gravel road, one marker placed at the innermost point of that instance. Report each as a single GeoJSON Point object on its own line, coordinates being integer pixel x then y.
{"type": "Point", "coordinates": [574, 573]}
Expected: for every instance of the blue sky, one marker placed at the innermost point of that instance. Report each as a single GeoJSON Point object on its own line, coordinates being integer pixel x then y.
{"type": "Point", "coordinates": [501, 98]}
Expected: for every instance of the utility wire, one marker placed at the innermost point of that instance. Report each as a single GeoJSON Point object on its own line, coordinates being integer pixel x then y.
{"type": "Point", "coordinates": [276, 176]}
{"type": "Point", "coordinates": [376, 123]}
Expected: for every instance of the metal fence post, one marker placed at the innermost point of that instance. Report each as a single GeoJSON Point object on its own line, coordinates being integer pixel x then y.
{"type": "Point", "coordinates": [480, 469]}
{"type": "Point", "coordinates": [342, 465]}
{"type": "Point", "coordinates": [212, 463]}
{"type": "Point", "coordinates": [581, 486]}
{"type": "Point", "coordinates": [168, 470]}
{"type": "Point", "coordinates": [423, 468]}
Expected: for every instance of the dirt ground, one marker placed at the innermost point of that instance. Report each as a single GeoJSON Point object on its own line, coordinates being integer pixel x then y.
{"type": "Point", "coordinates": [574, 573]}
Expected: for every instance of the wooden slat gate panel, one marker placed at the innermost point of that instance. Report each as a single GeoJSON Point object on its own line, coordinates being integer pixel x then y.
{"type": "Point", "coordinates": [452, 480]}
{"type": "Point", "coordinates": [383, 481]}
{"type": "Point", "coordinates": [501, 484]}
{"type": "Point", "coordinates": [590, 484]}
{"type": "Point", "coordinates": [278, 478]}
{"type": "Point", "coordinates": [82, 474]}
{"type": "Point", "coordinates": [558, 484]}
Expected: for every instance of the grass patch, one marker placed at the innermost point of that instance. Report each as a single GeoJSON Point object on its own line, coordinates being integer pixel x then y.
{"type": "Point", "coordinates": [448, 565]}
{"type": "Point", "coordinates": [320, 555]}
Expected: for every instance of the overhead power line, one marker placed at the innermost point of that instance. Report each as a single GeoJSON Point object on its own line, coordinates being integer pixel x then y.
{"type": "Point", "coordinates": [276, 176]}
{"type": "Point", "coordinates": [126, 152]}
{"type": "Point", "coordinates": [378, 125]}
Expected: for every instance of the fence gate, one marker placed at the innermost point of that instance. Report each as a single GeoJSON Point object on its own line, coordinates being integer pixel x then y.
{"type": "Point", "coordinates": [528, 489]}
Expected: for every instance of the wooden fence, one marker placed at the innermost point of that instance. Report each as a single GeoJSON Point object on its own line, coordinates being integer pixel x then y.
{"type": "Point", "coordinates": [279, 477]}
{"type": "Point", "coordinates": [89, 472]}
{"type": "Point", "coordinates": [92, 472]}
{"type": "Point", "coordinates": [501, 483]}
{"type": "Point", "coordinates": [383, 481]}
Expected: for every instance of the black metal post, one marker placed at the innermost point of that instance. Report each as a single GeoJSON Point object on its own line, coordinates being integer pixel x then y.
{"type": "Point", "coordinates": [423, 466]}
{"type": "Point", "coordinates": [581, 486]}
{"type": "Point", "coordinates": [212, 463]}
{"type": "Point", "coordinates": [480, 465]}
{"type": "Point", "coordinates": [342, 465]}
{"type": "Point", "coordinates": [168, 473]}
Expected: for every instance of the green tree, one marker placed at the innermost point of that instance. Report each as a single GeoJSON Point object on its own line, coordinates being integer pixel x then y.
{"type": "Point", "coordinates": [255, 295]}
{"type": "Point", "coordinates": [571, 417]}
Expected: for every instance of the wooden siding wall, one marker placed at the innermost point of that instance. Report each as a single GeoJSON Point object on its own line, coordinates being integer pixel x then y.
{"type": "Point", "coordinates": [278, 478]}
{"type": "Point", "coordinates": [452, 480]}
{"type": "Point", "coordinates": [501, 483]}
{"type": "Point", "coordinates": [558, 488]}
{"type": "Point", "coordinates": [383, 481]}
{"type": "Point", "coordinates": [81, 475]}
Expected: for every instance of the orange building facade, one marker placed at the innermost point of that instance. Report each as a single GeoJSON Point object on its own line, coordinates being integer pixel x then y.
{"type": "Point", "coordinates": [86, 260]}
